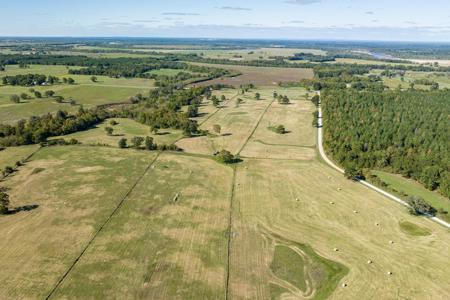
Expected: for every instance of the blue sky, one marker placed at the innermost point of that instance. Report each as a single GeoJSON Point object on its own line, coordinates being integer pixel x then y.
{"type": "Point", "coordinates": [401, 20]}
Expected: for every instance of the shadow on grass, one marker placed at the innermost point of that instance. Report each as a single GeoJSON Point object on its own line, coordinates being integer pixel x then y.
{"type": "Point", "coordinates": [22, 208]}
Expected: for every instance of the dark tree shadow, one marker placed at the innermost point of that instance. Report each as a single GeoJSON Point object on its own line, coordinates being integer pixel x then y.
{"type": "Point", "coordinates": [226, 134]}
{"type": "Point", "coordinates": [163, 133]}
{"type": "Point", "coordinates": [22, 208]}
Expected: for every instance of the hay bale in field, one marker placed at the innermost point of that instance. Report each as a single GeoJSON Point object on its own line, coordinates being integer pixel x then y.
{"type": "Point", "coordinates": [336, 249]}
{"type": "Point", "coordinates": [369, 262]}
{"type": "Point", "coordinates": [344, 284]}
{"type": "Point", "coordinates": [391, 242]}
{"type": "Point", "coordinates": [339, 189]}
{"type": "Point", "coordinates": [377, 224]}
{"type": "Point", "coordinates": [355, 211]}
{"type": "Point", "coordinates": [331, 202]}
{"type": "Point", "coordinates": [389, 273]}
{"type": "Point", "coordinates": [175, 199]}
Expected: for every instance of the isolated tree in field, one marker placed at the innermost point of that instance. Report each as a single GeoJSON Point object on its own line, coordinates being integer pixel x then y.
{"type": "Point", "coordinates": [59, 99]}
{"type": "Point", "coordinates": [24, 96]}
{"type": "Point", "coordinates": [70, 80]}
{"type": "Point", "coordinates": [8, 170]}
{"type": "Point", "coordinates": [113, 123]}
{"type": "Point", "coordinates": [238, 102]}
{"type": "Point", "coordinates": [93, 78]}
{"type": "Point", "coordinates": [73, 102]}
{"type": "Point", "coordinates": [64, 80]}
{"type": "Point", "coordinates": [4, 202]}
{"type": "Point", "coordinates": [280, 129]}
{"type": "Point", "coordinates": [123, 143]}
{"type": "Point", "coordinates": [109, 130]}
{"type": "Point", "coordinates": [226, 157]}
{"type": "Point", "coordinates": [49, 93]}
{"type": "Point", "coordinates": [14, 98]}
{"type": "Point", "coordinates": [275, 95]}
{"type": "Point", "coordinates": [420, 206]}
{"type": "Point", "coordinates": [217, 128]}
{"type": "Point", "coordinates": [31, 90]}
{"type": "Point", "coordinates": [257, 96]}
{"type": "Point", "coordinates": [37, 94]}
{"type": "Point", "coordinates": [223, 98]}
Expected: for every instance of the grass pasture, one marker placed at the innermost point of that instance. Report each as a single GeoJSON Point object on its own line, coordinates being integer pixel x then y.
{"type": "Point", "coordinates": [84, 92]}
{"type": "Point", "coordinates": [167, 242]}
{"type": "Point", "coordinates": [237, 124]}
{"type": "Point", "coordinates": [126, 128]}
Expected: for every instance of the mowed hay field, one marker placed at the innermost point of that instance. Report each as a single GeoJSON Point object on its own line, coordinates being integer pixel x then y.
{"type": "Point", "coordinates": [287, 203]}
{"type": "Point", "coordinates": [71, 191]}
{"type": "Point", "coordinates": [260, 76]}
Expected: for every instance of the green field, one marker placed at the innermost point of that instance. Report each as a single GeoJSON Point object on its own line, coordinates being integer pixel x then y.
{"type": "Point", "coordinates": [84, 92]}
{"type": "Point", "coordinates": [9, 156]}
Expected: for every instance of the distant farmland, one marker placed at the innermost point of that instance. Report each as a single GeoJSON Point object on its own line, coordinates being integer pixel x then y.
{"type": "Point", "coordinates": [260, 76]}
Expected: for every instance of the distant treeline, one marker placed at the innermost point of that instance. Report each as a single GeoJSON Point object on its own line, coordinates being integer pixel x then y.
{"type": "Point", "coordinates": [29, 79]}
{"type": "Point", "coordinates": [114, 67]}
{"type": "Point", "coordinates": [405, 132]}
{"type": "Point", "coordinates": [37, 129]}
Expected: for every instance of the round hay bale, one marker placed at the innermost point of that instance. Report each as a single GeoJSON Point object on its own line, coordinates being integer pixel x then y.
{"type": "Point", "coordinates": [377, 224]}
{"type": "Point", "coordinates": [369, 261]}
{"type": "Point", "coordinates": [344, 284]}
{"type": "Point", "coordinates": [336, 249]}
{"type": "Point", "coordinates": [391, 242]}
{"type": "Point", "coordinates": [339, 189]}
{"type": "Point", "coordinates": [331, 202]}
{"type": "Point", "coordinates": [389, 273]}
{"type": "Point", "coordinates": [355, 211]}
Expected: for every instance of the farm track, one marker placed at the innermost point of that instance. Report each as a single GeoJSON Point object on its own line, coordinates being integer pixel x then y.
{"type": "Point", "coordinates": [363, 182]}
{"type": "Point", "coordinates": [229, 234]}
{"type": "Point", "coordinates": [119, 205]}
{"type": "Point", "coordinates": [256, 126]}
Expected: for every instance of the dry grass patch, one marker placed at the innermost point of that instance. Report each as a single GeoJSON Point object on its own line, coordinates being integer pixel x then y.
{"type": "Point", "coordinates": [39, 245]}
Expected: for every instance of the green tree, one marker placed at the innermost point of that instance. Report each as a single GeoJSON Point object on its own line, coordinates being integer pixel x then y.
{"type": "Point", "coordinates": [109, 130]}
{"type": "Point", "coordinates": [226, 157]}
{"type": "Point", "coordinates": [137, 141]}
{"type": "Point", "coordinates": [257, 96]}
{"type": "Point", "coordinates": [37, 94]}
{"type": "Point", "coordinates": [24, 96]}
{"type": "Point", "coordinates": [14, 98]}
{"type": "Point", "coordinates": [217, 128]}
{"type": "Point", "coordinates": [4, 202]}
{"type": "Point", "coordinates": [49, 93]}
{"type": "Point", "coordinates": [420, 206]}
{"type": "Point", "coordinates": [149, 145]}
{"type": "Point", "coordinates": [94, 78]}
{"type": "Point", "coordinates": [123, 143]}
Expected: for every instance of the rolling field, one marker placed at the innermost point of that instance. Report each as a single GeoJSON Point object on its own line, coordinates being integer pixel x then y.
{"type": "Point", "coordinates": [147, 225]}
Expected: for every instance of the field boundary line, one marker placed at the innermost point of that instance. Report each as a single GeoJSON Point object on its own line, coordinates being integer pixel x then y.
{"type": "Point", "coordinates": [119, 205]}
{"type": "Point", "coordinates": [229, 234]}
{"type": "Point", "coordinates": [218, 109]}
{"type": "Point", "coordinates": [256, 126]}
{"type": "Point", "coordinates": [25, 160]}
{"type": "Point", "coordinates": [363, 182]}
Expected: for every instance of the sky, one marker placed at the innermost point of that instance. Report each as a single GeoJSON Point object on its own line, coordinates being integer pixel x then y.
{"type": "Point", "coordinates": [391, 20]}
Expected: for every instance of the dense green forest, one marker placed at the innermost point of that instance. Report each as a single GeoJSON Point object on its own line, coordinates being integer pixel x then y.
{"type": "Point", "coordinates": [399, 131]}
